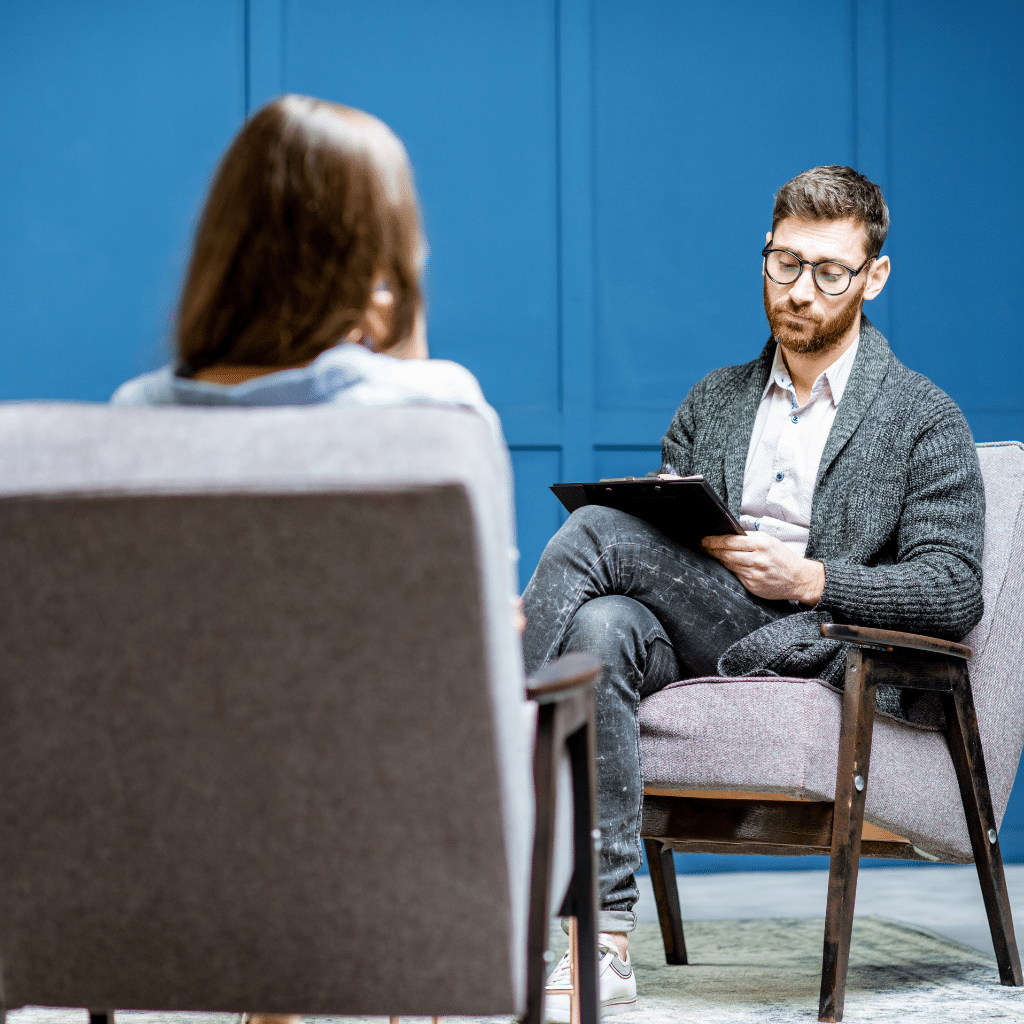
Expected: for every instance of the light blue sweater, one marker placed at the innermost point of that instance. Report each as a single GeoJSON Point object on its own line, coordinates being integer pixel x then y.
{"type": "Point", "coordinates": [347, 375]}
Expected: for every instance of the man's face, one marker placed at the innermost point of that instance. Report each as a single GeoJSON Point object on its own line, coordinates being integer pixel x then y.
{"type": "Point", "coordinates": [803, 318]}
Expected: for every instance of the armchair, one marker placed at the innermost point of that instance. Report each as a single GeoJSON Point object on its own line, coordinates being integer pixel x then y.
{"type": "Point", "coordinates": [263, 718]}
{"type": "Point", "coordinates": [792, 767]}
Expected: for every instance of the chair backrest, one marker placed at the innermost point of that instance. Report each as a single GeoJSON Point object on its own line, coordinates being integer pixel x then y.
{"type": "Point", "coordinates": [260, 723]}
{"type": "Point", "coordinates": [998, 640]}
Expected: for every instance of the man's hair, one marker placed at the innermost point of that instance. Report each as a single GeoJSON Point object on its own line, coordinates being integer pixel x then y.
{"type": "Point", "coordinates": [835, 193]}
{"type": "Point", "coordinates": [312, 204]}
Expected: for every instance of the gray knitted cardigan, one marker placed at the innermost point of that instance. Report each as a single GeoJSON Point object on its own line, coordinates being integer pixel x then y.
{"type": "Point", "coordinates": [898, 513]}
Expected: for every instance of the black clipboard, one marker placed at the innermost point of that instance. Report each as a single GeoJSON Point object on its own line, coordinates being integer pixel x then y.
{"type": "Point", "coordinates": [685, 510]}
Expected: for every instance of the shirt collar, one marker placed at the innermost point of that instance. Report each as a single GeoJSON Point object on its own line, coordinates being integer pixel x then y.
{"type": "Point", "coordinates": [834, 378]}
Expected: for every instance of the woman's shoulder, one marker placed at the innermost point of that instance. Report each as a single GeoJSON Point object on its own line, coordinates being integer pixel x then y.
{"type": "Point", "coordinates": [349, 373]}
{"type": "Point", "coordinates": [447, 378]}
{"type": "Point", "coordinates": [153, 388]}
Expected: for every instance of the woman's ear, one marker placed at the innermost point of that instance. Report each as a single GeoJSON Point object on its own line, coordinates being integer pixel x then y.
{"type": "Point", "coordinates": [379, 313]}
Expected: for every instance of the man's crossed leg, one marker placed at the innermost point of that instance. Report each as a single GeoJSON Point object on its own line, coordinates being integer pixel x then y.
{"type": "Point", "coordinates": [654, 612]}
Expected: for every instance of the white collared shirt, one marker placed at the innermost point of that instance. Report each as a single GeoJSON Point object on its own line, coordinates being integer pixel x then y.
{"type": "Point", "coordinates": [785, 449]}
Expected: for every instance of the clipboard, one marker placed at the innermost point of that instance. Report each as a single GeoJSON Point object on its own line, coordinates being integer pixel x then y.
{"type": "Point", "coordinates": [684, 510]}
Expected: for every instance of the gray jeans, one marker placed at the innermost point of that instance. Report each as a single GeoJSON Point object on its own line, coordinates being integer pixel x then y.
{"type": "Point", "coordinates": [653, 612]}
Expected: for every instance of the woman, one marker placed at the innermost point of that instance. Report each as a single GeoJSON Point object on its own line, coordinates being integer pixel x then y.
{"type": "Point", "coordinates": [304, 281]}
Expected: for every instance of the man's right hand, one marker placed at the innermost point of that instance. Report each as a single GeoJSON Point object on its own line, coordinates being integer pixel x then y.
{"type": "Point", "coordinates": [767, 568]}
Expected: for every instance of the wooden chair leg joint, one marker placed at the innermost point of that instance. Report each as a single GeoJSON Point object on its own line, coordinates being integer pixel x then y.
{"type": "Point", "coordinates": [662, 867]}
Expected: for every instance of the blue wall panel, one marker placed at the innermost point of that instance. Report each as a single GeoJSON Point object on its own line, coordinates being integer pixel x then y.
{"type": "Point", "coordinates": [538, 512]}
{"type": "Point", "coordinates": [695, 128]}
{"type": "Point", "coordinates": [958, 204]}
{"type": "Point", "coordinates": [115, 114]}
{"type": "Point", "coordinates": [635, 460]}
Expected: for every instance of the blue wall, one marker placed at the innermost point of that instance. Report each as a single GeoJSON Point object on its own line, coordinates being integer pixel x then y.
{"type": "Point", "coordinates": [596, 177]}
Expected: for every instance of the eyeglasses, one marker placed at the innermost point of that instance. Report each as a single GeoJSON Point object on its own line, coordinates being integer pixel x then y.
{"type": "Point", "coordinates": [831, 278]}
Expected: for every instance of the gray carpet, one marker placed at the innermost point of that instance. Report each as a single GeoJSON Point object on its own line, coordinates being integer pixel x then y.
{"type": "Point", "coordinates": [770, 971]}
{"type": "Point", "coordinates": [766, 971]}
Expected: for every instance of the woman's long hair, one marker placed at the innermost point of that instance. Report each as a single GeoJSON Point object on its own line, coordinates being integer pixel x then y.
{"type": "Point", "coordinates": [312, 204]}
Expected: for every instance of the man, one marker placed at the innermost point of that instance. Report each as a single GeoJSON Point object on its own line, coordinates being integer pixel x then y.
{"type": "Point", "coordinates": [856, 479]}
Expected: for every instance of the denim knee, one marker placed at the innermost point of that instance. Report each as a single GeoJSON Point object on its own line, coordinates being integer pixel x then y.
{"type": "Point", "coordinates": [626, 637]}
{"type": "Point", "coordinates": [611, 621]}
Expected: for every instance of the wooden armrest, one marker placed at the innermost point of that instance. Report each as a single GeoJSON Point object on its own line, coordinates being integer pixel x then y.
{"type": "Point", "coordinates": [563, 676]}
{"type": "Point", "coordinates": [865, 636]}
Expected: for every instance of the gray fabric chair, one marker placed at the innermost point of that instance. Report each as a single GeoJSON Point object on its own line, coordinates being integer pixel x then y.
{"type": "Point", "coordinates": [263, 716]}
{"type": "Point", "coordinates": [780, 766]}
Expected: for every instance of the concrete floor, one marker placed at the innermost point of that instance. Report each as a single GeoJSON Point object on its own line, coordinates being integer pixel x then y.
{"type": "Point", "coordinates": [944, 899]}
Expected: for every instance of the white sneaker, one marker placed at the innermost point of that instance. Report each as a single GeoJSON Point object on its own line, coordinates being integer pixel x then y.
{"type": "Point", "coordinates": [616, 985]}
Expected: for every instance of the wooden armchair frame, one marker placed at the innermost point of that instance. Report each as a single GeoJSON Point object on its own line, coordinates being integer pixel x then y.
{"type": "Point", "coordinates": [564, 692]}
{"type": "Point", "coordinates": [765, 824]}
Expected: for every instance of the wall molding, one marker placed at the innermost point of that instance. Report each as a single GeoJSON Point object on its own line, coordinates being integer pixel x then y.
{"type": "Point", "coordinates": [872, 113]}
{"type": "Point", "coordinates": [575, 104]}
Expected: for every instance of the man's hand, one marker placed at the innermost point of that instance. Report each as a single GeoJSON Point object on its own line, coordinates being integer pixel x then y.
{"type": "Point", "coordinates": [767, 568]}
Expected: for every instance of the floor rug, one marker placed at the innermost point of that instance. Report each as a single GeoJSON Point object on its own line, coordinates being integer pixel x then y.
{"type": "Point", "coordinates": [770, 971]}
{"type": "Point", "coordinates": [760, 970]}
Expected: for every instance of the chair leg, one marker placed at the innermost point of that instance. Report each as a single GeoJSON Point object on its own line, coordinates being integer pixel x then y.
{"type": "Point", "coordinates": [101, 1017]}
{"type": "Point", "coordinates": [969, 762]}
{"type": "Point", "coordinates": [583, 889]}
{"type": "Point", "coordinates": [545, 785]}
{"type": "Point", "coordinates": [574, 971]}
{"type": "Point", "coordinates": [851, 790]}
{"type": "Point", "coordinates": [666, 895]}
{"type": "Point", "coordinates": [581, 899]}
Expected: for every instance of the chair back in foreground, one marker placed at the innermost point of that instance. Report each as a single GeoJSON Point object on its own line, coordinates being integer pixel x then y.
{"type": "Point", "coordinates": [262, 713]}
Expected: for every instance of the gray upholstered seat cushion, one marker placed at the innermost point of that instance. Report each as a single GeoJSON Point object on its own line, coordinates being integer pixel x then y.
{"type": "Point", "coordinates": [770, 734]}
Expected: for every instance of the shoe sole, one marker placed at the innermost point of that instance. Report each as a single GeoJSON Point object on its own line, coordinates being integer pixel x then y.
{"type": "Point", "coordinates": [620, 1006]}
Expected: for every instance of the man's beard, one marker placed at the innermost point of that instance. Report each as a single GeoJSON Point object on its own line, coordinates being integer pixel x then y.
{"type": "Point", "coordinates": [827, 331]}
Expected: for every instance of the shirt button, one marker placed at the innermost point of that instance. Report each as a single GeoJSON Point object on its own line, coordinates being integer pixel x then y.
{"type": "Point", "coordinates": [779, 476]}
{"type": "Point", "coordinates": [796, 419]}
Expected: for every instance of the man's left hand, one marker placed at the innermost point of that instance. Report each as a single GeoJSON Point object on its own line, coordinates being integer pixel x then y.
{"type": "Point", "coordinates": [767, 568]}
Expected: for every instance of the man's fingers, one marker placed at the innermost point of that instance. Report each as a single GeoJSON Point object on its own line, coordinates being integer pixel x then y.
{"type": "Point", "coordinates": [742, 561]}
{"type": "Point", "coordinates": [729, 542]}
